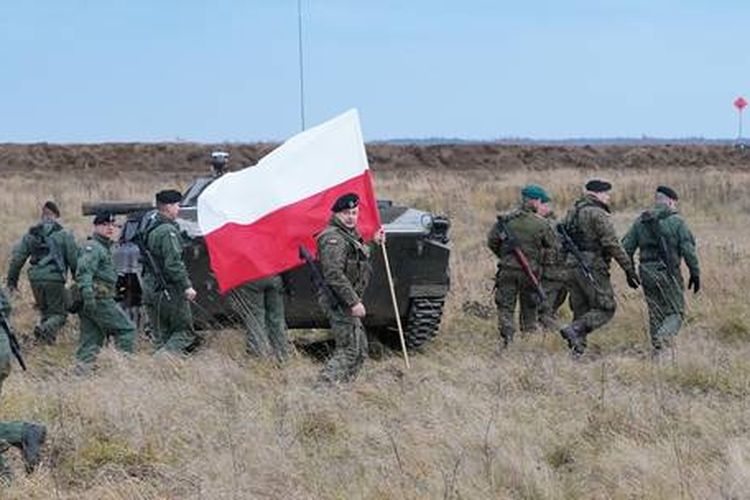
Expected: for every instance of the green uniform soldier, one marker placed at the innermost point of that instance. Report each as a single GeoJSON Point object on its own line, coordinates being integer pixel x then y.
{"type": "Point", "coordinates": [167, 287]}
{"type": "Point", "coordinates": [527, 227]}
{"type": "Point", "coordinates": [345, 265]}
{"type": "Point", "coordinates": [555, 275]}
{"type": "Point", "coordinates": [664, 239]}
{"type": "Point", "coordinates": [260, 303]}
{"type": "Point", "coordinates": [96, 277]}
{"type": "Point", "coordinates": [51, 251]}
{"type": "Point", "coordinates": [592, 298]}
{"type": "Point", "coordinates": [29, 437]}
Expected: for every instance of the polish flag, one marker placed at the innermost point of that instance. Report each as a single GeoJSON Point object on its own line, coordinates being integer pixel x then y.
{"type": "Point", "coordinates": [255, 219]}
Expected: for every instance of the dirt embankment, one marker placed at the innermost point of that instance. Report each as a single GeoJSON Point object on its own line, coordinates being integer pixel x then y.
{"type": "Point", "coordinates": [193, 158]}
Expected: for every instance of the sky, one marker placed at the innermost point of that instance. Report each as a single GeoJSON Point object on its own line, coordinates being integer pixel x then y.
{"type": "Point", "coordinates": [228, 70]}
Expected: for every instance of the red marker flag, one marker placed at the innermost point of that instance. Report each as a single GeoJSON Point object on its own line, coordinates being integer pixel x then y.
{"type": "Point", "coordinates": [255, 220]}
{"type": "Point", "coordinates": [740, 103]}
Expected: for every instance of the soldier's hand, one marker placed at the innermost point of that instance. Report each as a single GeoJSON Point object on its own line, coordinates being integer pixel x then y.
{"type": "Point", "coordinates": [190, 293]}
{"type": "Point", "coordinates": [633, 280]}
{"type": "Point", "coordinates": [694, 283]}
{"type": "Point", "coordinates": [358, 310]}
{"type": "Point", "coordinates": [379, 236]}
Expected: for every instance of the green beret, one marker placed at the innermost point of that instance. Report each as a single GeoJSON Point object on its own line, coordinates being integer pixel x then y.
{"type": "Point", "coordinates": [668, 192]}
{"type": "Point", "coordinates": [104, 217]}
{"type": "Point", "coordinates": [598, 186]}
{"type": "Point", "coordinates": [345, 202]}
{"type": "Point", "coordinates": [52, 207]}
{"type": "Point", "coordinates": [535, 192]}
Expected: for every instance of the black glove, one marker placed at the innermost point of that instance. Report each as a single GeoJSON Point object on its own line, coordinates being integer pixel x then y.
{"type": "Point", "coordinates": [695, 283]}
{"type": "Point", "coordinates": [632, 277]}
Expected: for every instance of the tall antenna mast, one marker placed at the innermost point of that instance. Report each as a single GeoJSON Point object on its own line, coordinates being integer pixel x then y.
{"type": "Point", "coordinates": [301, 66]}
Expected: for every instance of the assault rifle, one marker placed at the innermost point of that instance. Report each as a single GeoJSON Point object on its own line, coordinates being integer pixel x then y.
{"type": "Point", "coordinates": [15, 347]}
{"type": "Point", "coordinates": [147, 258]}
{"type": "Point", "coordinates": [570, 246]}
{"type": "Point", "coordinates": [317, 277]}
{"type": "Point", "coordinates": [652, 224]}
{"type": "Point", "coordinates": [509, 239]}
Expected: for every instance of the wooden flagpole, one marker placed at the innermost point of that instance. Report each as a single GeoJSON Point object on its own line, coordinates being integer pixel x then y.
{"type": "Point", "coordinates": [395, 304]}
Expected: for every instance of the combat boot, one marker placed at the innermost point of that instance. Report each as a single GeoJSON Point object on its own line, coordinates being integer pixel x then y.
{"type": "Point", "coordinates": [32, 440]}
{"type": "Point", "coordinates": [575, 335]}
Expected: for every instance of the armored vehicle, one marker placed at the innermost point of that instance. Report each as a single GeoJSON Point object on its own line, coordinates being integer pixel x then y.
{"type": "Point", "coordinates": [418, 250]}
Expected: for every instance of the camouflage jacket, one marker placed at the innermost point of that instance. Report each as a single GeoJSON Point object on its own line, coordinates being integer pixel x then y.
{"type": "Point", "coordinates": [165, 244]}
{"type": "Point", "coordinates": [51, 251]}
{"type": "Point", "coordinates": [96, 275]}
{"type": "Point", "coordinates": [535, 236]}
{"type": "Point", "coordinates": [677, 235]}
{"type": "Point", "coordinates": [589, 225]}
{"type": "Point", "coordinates": [345, 262]}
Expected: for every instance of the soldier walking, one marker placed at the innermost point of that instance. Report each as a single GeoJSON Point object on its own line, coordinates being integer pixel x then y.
{"type": "Point", "coordinates": [51, 251]}
{"type": "Point", "coordinates": [167, 287]}
{"type": "Point", "coordinates": [663, 239]}
{"type": "Point", "coordinates": [26, 436]}
{"type": "Point", "coordinates": [96, 277]}
{"type": "Point", "coordinates": [592, 298]}
{"type": "Point", "coordinates": [522, 234]}
{"type": "Point", "coordinates": [554, 278]}
{"type": "Point", "coordinates": [345, 263]}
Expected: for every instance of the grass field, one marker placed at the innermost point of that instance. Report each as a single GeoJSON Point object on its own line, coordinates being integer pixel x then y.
{"type": "Point", "coordinates": [464, 422]}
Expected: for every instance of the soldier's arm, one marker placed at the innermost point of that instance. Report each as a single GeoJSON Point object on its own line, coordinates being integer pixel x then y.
{"type": "Point", "coordinates": [88, 259]}
{"type": "Point", "coordinates": [494, 242]}
{"type": "Point", "coordinates": [70, 252]}
{"type": "Point", "coordinates": [332, 252]}
{"type": "Point", "coordinates": [688, 250]}
{"type": "Point", "coordinates": [18, 258]}
{"type": "Point", "coordinates": [610, 243]}
{"type": "Point", "coordinates": [175, 272]}
{"type": "Point", "coordinates": [630, 240]}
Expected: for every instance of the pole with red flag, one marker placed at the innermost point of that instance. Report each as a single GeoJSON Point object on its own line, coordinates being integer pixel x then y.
{"type": "Point", "coordinates": [740, 104]}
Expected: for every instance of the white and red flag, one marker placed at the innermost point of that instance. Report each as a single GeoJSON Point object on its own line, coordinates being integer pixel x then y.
{"type": "Point", "coordinates": [255, 219]}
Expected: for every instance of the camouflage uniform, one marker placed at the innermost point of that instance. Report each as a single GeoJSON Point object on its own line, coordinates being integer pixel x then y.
{"type": "Point", "coordinates": [101, 316]}
{"type": "Point", "coordinates": [589, 226]}
{"type": "Point", "coordinates": [345, 264]}
{"type": "Point", "coordinates": [52, 251]}
{"type": "Point", "coordinates": [664, 289]}
{"type": "Point", "coordinates": [555, 275]}
{"type": "Point", "coordinates": [26, 436]}
{"type": "Point", "coordinates": [536, 238]}
{"type": "Point", "coordinates": [260, 303]}
{"type": "Point", "coordinates": [169, 311]}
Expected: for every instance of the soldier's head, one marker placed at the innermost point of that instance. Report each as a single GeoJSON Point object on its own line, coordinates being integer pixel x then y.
{"type": "Point", "coordinates": [219, 161]}
{"type": "Point", "coordinates": [50, 211]}
{"type": "Point", "coordinates": [168, 203]}
{"type": "Point", "coordinates": [599, 189]}
{"type": "Point", "coordinates": [346, 210]}
{"type": "Point", "coordinates": [537, 198]}
{"type": "Point", "coordinates": [666, 196]}
{"type": "Point", "coordinates": [105, 224]}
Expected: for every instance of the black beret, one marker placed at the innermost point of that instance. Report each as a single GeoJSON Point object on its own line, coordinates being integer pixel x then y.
{"type": "Point", "coordinates": [668, 192]}
{"type": "Point", "coordinates": [103, 217]}
{"type": "Point", "coordinates": [344, 202]}
{"type": "Point", "coordinates": [52, 207]}
{"type": "Point", "coordinates": [168, 196]}
{"type": "Point", "coordinates": [598, 186]}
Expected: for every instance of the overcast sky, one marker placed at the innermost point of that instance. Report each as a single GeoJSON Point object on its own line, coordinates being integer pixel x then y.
{"type": "Point", "coordinates": [149, 70]}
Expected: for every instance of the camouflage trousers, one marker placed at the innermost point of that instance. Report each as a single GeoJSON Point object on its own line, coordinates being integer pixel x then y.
{"type": "Point", "coordinates": [557, 293]}
{"type": "Point", "coordinates": [107, 319]}
{"type": "Point", "coordinates": [594, 304]}
{"type": "Point", "coordinates": [351, 346]}
{"type": "Point", "coordinates": [512, 286]}
{"type": "Point", "coordinates": [171, 321]}
{"type": "Point", "coordinates": [260, 304]}
{"type": "Point", "coordinates": [665, 300]}
{"type": "Point", "coordinates": [50, 301]}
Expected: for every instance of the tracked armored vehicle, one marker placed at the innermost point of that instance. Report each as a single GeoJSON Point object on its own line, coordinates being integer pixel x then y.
{"type": "Point", "coordinates": [418, 248]}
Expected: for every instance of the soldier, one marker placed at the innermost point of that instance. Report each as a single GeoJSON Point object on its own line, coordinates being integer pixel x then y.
{"type": "Point", "coordinates": [345, 264]}
{"type": "Point", "coordinates": [167, 287]}
{"type": "Point", "coordinates": [96, 277]}
{"type": "Point", "coordinates": [526, 226]}
{"type": "Point", "coordinates": [554, 277]}
{"type": "Point", "coordinates": [219, 160]}
{"type": "Point", "coordinates": [663, 237]}
{"type": "Point", "coordinates": [591, 297]}
{"type": "Point", "coordinates": [52, 251]}
{"type": "Point", "coordinates": [260, 303]}
{"type": "Point", "coordinates": [29, 437]}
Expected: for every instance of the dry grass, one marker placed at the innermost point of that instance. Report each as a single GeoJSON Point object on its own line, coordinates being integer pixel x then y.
{"type": "Point", "coordinates": [463, 423]}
